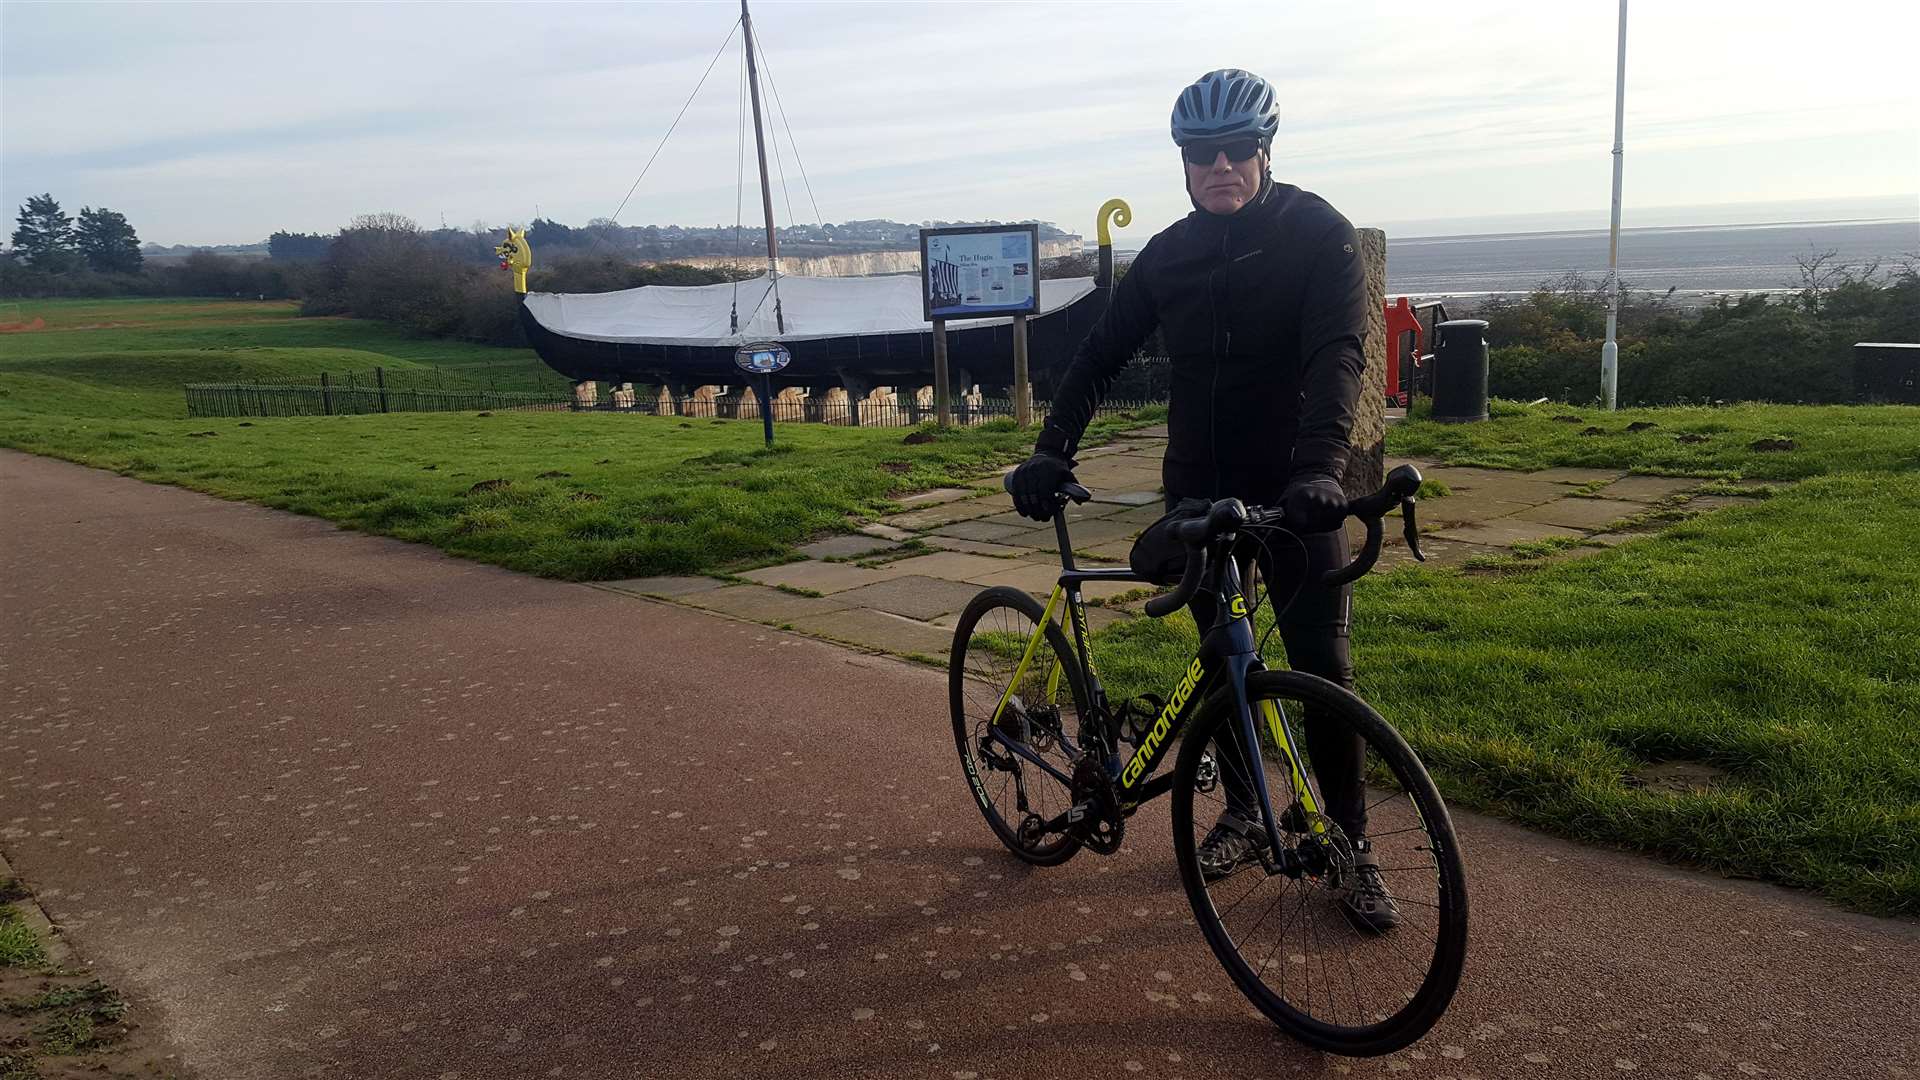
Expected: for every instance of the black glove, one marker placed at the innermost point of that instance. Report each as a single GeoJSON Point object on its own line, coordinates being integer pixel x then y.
{"type": "Point", "coordinates": [1035, 485]}
{"type": "Point", "coordinates": [1313, 503]}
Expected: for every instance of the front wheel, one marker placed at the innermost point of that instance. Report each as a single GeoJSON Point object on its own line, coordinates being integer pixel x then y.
{"type": "Point", "coordinates": [1017, 709]}
{"type": "Point", "coordinates": [1300, 931]}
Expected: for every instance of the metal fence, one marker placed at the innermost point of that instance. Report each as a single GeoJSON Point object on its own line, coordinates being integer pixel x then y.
{"type": "Point", "coordinates": [248, 399]}
{"type": "Point", "coordinates": [1146, 388]}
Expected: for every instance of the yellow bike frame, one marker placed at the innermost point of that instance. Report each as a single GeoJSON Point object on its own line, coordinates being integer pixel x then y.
{"type": "Point", "coordinates": [1276, 724]}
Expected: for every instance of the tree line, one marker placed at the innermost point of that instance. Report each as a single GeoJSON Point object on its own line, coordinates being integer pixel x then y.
{"type": "Point", "coordinates": [1793, 347]}
{"type": "Point", "coordinates": [47, 239]}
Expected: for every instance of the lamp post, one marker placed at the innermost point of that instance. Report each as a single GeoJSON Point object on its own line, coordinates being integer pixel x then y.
{"type": "Point", "coordinates": [1610, 353]}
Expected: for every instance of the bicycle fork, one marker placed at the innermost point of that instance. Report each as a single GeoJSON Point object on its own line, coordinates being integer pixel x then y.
{"type": "Point", "coordinates": [1278, 858]}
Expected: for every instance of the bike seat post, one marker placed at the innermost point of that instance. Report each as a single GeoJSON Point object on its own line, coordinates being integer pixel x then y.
{"type": "Point", "coordinates": [1060, 531]}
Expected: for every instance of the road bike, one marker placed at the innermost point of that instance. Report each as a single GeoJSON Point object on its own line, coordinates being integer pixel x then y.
{"type": "Point", "coordinates": [1055, 766]}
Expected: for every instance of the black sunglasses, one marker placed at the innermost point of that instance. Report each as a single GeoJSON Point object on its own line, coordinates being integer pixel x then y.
{"type": "Point", "coordinates": [1204, 153]}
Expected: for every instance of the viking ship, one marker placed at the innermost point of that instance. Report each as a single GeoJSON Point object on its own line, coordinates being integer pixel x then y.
{"type": "Point", "coordinates": [861, 334]}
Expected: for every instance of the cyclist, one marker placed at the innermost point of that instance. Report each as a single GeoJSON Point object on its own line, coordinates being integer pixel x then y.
{"type": "Point", "coordinates": [1260, 298]}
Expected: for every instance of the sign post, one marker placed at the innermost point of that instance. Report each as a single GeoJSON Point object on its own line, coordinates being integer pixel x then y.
{"type": "Point", "coordinates": [763, 359]}
{"type": "Point", "coordinates": [1022, 392]}
{"type": "Point", "coordinates": [942, 402]}
{"type": "Point", "coordinates": [980, 272]}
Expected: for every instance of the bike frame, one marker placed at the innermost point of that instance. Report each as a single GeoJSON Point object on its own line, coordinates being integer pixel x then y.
{"type": "Point", "coordinates": [1227, 651]}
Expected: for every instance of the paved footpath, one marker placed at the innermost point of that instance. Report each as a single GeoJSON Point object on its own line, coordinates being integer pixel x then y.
{"type": "Point", "coordinates": [899, 584]}
{"type": "Point", "coordinates": [331, 805]}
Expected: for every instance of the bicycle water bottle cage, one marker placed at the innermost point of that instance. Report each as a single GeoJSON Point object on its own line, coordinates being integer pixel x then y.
{"type": "Point", "coordinates": [1135, 716]}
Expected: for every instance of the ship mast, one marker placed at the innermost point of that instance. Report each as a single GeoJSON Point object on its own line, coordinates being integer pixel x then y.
{"type": "Point", "coordinates": [760, 148]}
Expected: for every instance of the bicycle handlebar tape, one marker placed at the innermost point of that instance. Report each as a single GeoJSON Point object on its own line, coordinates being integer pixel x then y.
{"type": "Point", "coordinates": [1400, 484]}
{"type": "Point", "coordinates": [1168, 603]}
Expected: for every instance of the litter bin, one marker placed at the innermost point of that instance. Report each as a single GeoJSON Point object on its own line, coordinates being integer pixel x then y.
{"type": "Point", "coordinates": [1460, 371]}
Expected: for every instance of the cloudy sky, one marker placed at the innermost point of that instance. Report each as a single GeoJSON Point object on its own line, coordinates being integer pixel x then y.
{"type": "Point", "coordinates": [219, 123]}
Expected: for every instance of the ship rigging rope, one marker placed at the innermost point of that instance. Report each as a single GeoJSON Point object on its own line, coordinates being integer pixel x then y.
{"type": "Point", "coordinates": [739, 190]}
{"type": "Point", "coordinates": [778, 104]}
{"type": "Point", "coordinates": [676, 120]}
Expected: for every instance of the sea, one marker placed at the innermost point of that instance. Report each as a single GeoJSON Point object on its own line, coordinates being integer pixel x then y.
{"type": "Point", "coordinates": [1697, 261]}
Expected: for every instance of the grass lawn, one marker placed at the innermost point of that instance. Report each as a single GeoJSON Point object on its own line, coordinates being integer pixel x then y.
{"type": "Point", "coordinates": [578, 496]}
{"type": "Point", "coordinates": [1775, 642]}
{"type": "Point", "coordinates": [1778, 642]}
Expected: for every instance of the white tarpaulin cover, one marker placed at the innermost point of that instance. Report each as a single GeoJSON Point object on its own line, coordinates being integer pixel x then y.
{"type": "Point", "coordinates": [813, 307]}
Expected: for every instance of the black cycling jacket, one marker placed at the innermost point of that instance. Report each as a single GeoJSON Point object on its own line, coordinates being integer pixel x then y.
{"type": "Point", "coordinates": [1264, 313]}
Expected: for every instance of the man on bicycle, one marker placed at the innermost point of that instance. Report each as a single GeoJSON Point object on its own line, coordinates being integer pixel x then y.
{"type": "Point", "coordinates": [1260, 298]}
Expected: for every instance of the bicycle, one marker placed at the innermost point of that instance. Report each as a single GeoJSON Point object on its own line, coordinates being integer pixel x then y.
{"type": "Point", "coordinates": [1032, 720]}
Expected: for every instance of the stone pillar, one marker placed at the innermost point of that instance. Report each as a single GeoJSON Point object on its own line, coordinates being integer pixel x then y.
{"type": "Point", "coordinates": [623, 396]}
{"type": "Point", "coordinates": [922, 404]}
{"type": "Point", "coordinates": [970, 405]}
{"type": "Point", "coordinates": [748, 407]}
{"type": "Point", "coordinates": [1367, 457]}
{"type": "Point", "coordinates": [676, 395]}
{"type": "Point", "coordinates": [790, 403]}
{"type": "Point", "coordinates": [836, 407]}
{"type": "Point", "coordinates": [586, 394]}
{"type": "Point", "coordinates": [703, 401]}
{"type": "Point", "coordinates": [663, 402]}
{"type": "Point", "coordinates": [878, 408]}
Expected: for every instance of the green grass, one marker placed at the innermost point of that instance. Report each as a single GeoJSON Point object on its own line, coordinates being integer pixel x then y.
{"type": "Point", "coordinates": [1774, 641]}
{"type": "Point", "coordinates": [1836, 438]}
{"type": "Point", "coordinates": [576, 496]}
{"type": "Point", "coordinates": [125, 358]}
{"type": "Point", "coordinates": [19, 945]}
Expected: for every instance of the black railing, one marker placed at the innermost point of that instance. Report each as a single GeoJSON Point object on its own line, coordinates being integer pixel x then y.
{"type": "Point", "coordinates": [247, 399]}
{"type": "Point", "coordinates": [1143, 384]}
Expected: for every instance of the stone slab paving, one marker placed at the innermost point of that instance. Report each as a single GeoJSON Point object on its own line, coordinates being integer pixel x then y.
{"type": "Point", "coordinates": [878, 630]}
{"type": "Point", "coordinates": [910, 605]}
{"type": "Point", "coordinates": [1582, 513]}
{"type": "Point", "coordinates": [941, 515]}
{"type": "Point", "coordinates": [1506, 532]}
{"type": "Point", "coordinates": [979, 530]}
{"type": "Point", "coordinates": [914, 596]}
{"type": "Point", "coordinates": [934, 497]}
{"type": "Point", "coordinates": [845, 547]}
{"type": "Point", "coordinates": [665, 586]}
{"type": "Point", "coordinates": [947, 565]}
{"type": "Point", "coordinates": [1648, 488]}
{"type": "Point", "coordinates": [1567, 474]}
{"type": "Point", "coordinates": [1440, 553]}
{"type": "Point", "coordinates": [1463, 509]}
{"type": "Point", "coordinates": [886, 532]}
{"type": "Point", "coordinates": [758, 603]}
{"type": "Point", "coordinates": [821, 577]}
{"type": "Point", "coordinates": [976, 547]}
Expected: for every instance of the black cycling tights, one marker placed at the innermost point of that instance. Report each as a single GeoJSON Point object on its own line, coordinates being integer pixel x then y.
{"type": "Point", "coordinates": [1315, 630]}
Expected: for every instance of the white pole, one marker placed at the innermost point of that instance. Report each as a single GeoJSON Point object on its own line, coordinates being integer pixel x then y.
{"type": "Point", "coordinates": [1610, 354]}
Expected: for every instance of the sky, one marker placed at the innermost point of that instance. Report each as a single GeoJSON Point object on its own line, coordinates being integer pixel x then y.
{"type": "Point", "coordinates": [220, 122]}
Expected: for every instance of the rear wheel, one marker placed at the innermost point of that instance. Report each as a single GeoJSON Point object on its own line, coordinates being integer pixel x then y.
{"type": "Point", "coordinates": [1281, 925]}
{"type": "Point", "coordinates": [1013, 722]}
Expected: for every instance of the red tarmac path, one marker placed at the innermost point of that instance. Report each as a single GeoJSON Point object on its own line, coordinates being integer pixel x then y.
{"type": "Point", "coordinates": [333, 805]}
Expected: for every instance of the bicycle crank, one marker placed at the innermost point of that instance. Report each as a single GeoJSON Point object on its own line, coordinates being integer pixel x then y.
{"type": "Point", "coordinates": [1095, 819]}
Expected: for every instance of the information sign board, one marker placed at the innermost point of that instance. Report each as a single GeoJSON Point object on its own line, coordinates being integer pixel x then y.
{"type": "Point", "coordinates": [980, 270]}
{"type": "Point", "coordinates": [762, 358]}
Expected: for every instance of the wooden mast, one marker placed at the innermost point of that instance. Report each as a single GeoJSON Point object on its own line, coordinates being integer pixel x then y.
{"type": "Point", "coordinates": [760, 148]}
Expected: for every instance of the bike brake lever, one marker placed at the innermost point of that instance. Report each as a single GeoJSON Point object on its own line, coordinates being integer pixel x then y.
{"type": "Point", "coordinates": [1412, 529]}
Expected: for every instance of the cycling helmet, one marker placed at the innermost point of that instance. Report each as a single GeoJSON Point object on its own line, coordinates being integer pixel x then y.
{"type": "Point", "coordinates": [1225, 104]}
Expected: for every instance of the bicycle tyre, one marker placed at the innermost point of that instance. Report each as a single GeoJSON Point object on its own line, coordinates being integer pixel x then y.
{"type": "Point", "coordinates": [968, 724]}
{"type": "Point", "coordinates": [1423, 1007]}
